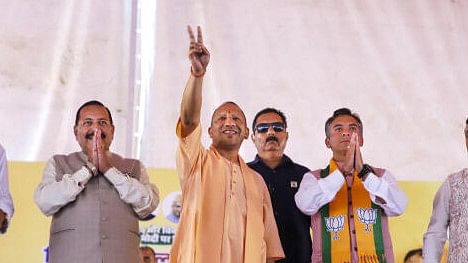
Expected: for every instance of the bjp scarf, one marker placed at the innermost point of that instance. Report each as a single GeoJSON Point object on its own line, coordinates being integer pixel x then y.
{"type": "Point", "coordinates": [336, 236]}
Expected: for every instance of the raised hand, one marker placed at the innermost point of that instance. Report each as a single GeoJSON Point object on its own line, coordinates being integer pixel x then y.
{"type": "Point", "coordinates": [198, 53]}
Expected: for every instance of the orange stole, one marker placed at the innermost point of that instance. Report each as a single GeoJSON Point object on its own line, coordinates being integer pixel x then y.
{"type": "Point", "coordinates": [336, 238]}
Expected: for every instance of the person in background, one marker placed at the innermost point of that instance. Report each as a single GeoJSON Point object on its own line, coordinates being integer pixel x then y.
{"type": "Point", "coordinates": [147, 255]}
{"type": "Point", "coordinates": [414, 256]}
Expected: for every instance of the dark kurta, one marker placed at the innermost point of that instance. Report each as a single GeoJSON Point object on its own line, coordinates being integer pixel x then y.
{"type": "Point", "coordinates": [293, 226]}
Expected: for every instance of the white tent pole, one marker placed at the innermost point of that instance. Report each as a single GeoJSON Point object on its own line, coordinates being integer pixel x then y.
{"type": "Point", "coordinates": [132, 79]}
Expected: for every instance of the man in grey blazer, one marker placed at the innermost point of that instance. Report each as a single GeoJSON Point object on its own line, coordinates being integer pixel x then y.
{"type": "Point", "coordinates": [95, 197]}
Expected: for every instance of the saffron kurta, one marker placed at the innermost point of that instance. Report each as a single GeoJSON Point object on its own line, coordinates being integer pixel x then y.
{"type": "Point", "coordinates": [205, 226]}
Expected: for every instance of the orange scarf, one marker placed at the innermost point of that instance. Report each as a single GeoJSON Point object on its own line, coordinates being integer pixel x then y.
{"type": "Point", "coordinates": [336, 237]}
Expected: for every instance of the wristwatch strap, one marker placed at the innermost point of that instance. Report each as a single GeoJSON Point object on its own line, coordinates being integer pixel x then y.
{"type": "Point", "coordinates": [366, 169]}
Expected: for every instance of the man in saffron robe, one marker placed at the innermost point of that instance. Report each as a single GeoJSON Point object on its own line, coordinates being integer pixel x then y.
{"type": "Point", "coordinates": [349, 201]}
{"type": "Point", "coordinates": [226, 214]}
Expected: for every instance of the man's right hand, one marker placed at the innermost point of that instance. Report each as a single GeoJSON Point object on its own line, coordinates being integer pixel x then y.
{"type": "Point", "coordinates": [101, 154]}
{"type": "Point", "coordinates": [92, 150]}
{"type": "Point", "coordinates": [353, 159]}
{"type": "Point", "coordinates": [190, 107]}
{"type": "Point", "coordinates": [198, 53]}
{"type": "Point", "coordinates": [2, 218]}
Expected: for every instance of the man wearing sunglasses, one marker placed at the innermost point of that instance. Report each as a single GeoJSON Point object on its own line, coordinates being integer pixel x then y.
{"type": "Point", "coordinates": [349, 201]}
{"type": "Point", "coordinates": [283, 177]}
{"type": "Point", "coordinates": [226, 213]}
{"type": "Point", "coordinates": [450, 211]}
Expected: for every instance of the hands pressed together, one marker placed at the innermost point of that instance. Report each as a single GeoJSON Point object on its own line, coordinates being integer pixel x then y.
{"type": "Point", "coordinates": [353, 159]}
{"type": "Point", "coordinates": [97, 153]}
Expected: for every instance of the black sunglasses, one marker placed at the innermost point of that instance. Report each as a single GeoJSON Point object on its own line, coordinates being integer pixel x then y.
{"type": "Point", "coordinates": [264, 127]}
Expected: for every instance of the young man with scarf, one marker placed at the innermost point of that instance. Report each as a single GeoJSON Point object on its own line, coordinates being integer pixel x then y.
{"type": "Point", "coordinates": [349, 201]}
{"type": "Point", "coordinates": [450, 211]}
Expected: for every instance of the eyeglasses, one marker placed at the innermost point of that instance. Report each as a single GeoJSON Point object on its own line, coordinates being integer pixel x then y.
{"type": "Point", "coordinates": [264, 127]}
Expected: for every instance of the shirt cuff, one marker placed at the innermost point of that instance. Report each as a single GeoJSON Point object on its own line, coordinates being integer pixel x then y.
{"type": "Point", "coordinates": [82, 176]}
{"type": "Point", "coordinates": [372, 182]}
{"type": "Point", "coordinates": [93, 169]}
{"type": "Point", "coordinates": [115, 176]}
{"type": "Point", "coordinates": [334, 181]}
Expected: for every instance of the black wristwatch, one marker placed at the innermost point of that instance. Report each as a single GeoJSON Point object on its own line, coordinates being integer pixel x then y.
{"type": "Point", "coordinates": [366, 169]}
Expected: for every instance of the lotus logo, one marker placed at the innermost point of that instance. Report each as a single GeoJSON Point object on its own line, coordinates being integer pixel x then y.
{"type": "Point", "coordinates": [334, 224]}
{"type": "Point", "coordinates": [367, 216]}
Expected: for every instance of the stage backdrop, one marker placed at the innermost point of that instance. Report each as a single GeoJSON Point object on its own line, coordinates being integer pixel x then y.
{"type": "Point", "coordinates": [400, 64]}
{"type": "Point", "coordinates": [27, 238]}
